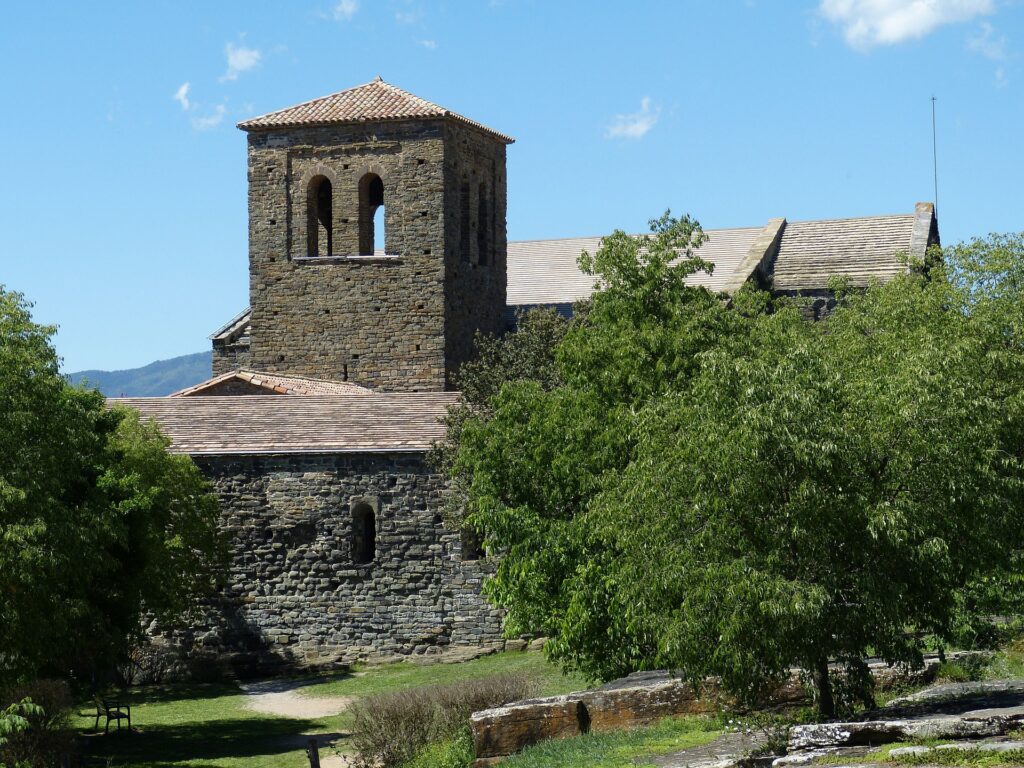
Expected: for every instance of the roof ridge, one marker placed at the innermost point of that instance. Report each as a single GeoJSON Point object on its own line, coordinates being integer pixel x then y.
{"type": "Point", "coordinates": [854, 218]}
{"type": "Point", "coordinates": [205, 383]}
{"type": "Point", "coordinates": [640, 234]}
{"type": "Point", "coordinates": [307, 102]}
{"type": "Point", "coordinates": [295, 402]}
{"type": "Point", "coordinates": [333, 109]}
{"type": "Point", "coordinates": [230, 323]}
{"type": "Point", "coordinates": [291, 377]}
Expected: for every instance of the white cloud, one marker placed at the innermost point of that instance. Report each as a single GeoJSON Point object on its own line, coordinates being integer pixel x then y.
{"type": "Point", "coordinates": [868, 23]}
{"type": "Point", "coordinates": [408, 17]}
{"type": "Point", "coordinates": [635, 125]}
{"type": "Point", "coordinates": [345, 10]}
{"type": "Point", "coordinates": [181, 96]}
{"type": "Point", "coordinates": [240, 59]}
{"type": "Point", "coordinates": [429, 44]}
{"type": "Point", "coordinates": [211, 120]}
{"type": "Point", "coordinates": [988, 43]}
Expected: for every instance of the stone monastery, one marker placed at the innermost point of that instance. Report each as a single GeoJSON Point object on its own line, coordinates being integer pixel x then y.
{"type": "Point", "coordinates": [328, 390]}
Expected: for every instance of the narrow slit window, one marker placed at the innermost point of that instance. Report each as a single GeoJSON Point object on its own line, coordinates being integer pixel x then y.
{"type": "Point", "coordinates": [464, 243]}
{"type": "Point", "coordinates": [483, 227]}
{"type": "Point", "coordinates": [472, 544]}
{"type": "Point", "coordinates": [364, 534]}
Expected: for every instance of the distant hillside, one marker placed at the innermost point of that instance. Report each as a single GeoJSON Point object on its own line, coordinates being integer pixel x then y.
{"type": "Point", "coordinates": [153, 380]}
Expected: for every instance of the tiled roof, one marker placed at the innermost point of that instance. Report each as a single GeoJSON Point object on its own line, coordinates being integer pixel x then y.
{"type": "Point", "coordinates": [276, 384]}
{"type": "Point", "coordinates": [545, 271]}
{"type": "Point", "coordinates": [371, 423]}
{"type": "Point", "coordinates": [864, 249]}
{"type": "Point", "coordinates": [373, 102]}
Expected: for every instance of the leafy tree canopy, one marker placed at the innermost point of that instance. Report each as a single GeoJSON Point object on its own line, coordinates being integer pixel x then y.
{"type": "Point", "coordinates": [724, 488]}
{"type": "Point", "coordinates": [98, 523]}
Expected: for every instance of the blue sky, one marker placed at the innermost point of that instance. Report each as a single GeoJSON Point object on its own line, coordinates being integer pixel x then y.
{"type": "Point", "coordinates": [123, 192]}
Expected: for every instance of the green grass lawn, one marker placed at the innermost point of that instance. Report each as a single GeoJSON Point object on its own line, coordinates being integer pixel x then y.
{"type": "Point", "coordinates": [203, 725]}
{"type": "Point", "coordinates": [620, 749]}
{"type": "Point", "coordinates": [366, 681]}
{"type": "Point", "coordinates": [207, 725]}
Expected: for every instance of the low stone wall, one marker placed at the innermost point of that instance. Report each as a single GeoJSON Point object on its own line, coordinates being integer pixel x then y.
{"type": "Point", "coordinates": [639, 699]}
{"type": "Point", "coordinates": [633, 701]}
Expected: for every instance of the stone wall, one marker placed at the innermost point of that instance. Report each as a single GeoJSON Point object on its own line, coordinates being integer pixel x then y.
{"type": "Point", "coordinates": [476, 259]}
{"type": "Point", "coordinates": [813, 304]}
{"type": "Point", "coordinates": [378, 320]}
{"type": "Point", "coordinates": [295, 596]}
{"type": "Point", "coordinates": [230, 356]}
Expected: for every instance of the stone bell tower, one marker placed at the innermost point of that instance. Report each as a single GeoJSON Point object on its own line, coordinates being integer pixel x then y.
{"type": "Point", "coordinates": [332, 296]}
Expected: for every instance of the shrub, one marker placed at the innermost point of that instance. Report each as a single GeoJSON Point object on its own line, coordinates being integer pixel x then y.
{"type": "Point", "coordinates": [48, 735]}
{"type": "Point", "coordinates": [952, 672]}
{"type": "Point", "coordinates": [391, 729]}
{"type": "Point", "coordinates": [453, 753]}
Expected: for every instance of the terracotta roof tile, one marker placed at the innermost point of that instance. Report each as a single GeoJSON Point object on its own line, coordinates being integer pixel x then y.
{"type": "Point", "coordinates": [272, 382]}
{"type": "Point", "coordinates": [373, 102]}
{"type": "Point", "coordinates": [367, 423]}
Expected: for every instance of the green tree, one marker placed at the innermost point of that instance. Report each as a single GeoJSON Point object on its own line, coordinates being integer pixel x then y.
{"type": "Point", "coordinates": [14, 719]}
{"type": "Point", "coordinates": [727, 489]}
{"type": "Point", "coordinates": [526, 354]}
{"type": "Point", "coordinates": [98, 523]}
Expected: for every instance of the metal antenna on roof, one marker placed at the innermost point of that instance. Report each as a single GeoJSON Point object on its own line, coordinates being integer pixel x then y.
{"type": "Point", "coordinates": [935, 159]}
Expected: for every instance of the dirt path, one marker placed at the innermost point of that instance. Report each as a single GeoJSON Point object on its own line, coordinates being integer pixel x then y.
{"type": "Point", "coordinates": [285, 699]}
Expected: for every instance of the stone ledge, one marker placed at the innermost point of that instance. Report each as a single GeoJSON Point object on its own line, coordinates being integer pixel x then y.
{"type": "Point", "coordinates": [351, 258]}
{"type": "Point", "coordinates": [636, 700]}
{"type": "Point", "coordinates": [503, 731]}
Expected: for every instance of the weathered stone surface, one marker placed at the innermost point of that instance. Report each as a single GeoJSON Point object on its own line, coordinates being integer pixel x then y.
{"type": "Point", "coordinates": [400, 321]}
{"type": "Point", "coordinates": [731, 750]}
{"type": "Point", "coordinates": [503, 731]}
{"type": "Point", "coordinates": [802, 737]}
{"type": "Point", "coordinates": [945, 711]}
{"type": "Point", "coordinates": [970, 694]}
{"type": "Point", "coordinates": [623, 704]}
{"type": "Point", "coordinates": [296, 598]}
{"type": "Point", "coordinates": [618, 708]}
{"type": "Point", "coordinates": [985, 746]}
{"type": "Point", "coordinates": [908, 751]}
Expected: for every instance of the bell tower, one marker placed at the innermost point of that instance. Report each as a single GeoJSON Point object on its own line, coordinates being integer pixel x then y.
{"type": "Point", "coordinates": [377, 238]}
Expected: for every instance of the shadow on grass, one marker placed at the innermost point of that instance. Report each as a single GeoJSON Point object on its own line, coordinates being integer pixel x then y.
{"type": "Point", "coordinates": [185, 743]}
{"type": "Point", "coordinates": [161, 694]}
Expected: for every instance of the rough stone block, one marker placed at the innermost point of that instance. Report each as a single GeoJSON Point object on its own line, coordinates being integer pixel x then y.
{"type": "Point", "coordinates": [505, 730]}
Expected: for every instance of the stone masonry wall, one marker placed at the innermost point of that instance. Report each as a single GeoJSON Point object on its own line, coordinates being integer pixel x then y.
{"type": "Point", "coordinates": [295, 596]}
{"type": "Point", "coordinates": [476, 260]}
{"type": "Point", "coordinates": [380, 321]}
{"type": "Point", "coordinates": [230, 356]}
{"type": "Point", "coordinates": [374, 321]}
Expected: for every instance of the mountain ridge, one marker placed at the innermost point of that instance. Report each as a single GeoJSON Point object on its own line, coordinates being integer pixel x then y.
{"type": "Point", "coordinates": [159, 378]}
